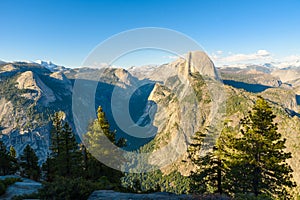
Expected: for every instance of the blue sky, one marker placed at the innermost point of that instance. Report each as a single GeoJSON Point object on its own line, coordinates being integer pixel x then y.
{"type": "Point", "coordinates": [230, 31]}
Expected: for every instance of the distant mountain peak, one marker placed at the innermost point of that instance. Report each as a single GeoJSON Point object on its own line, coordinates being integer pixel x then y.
{"type": "Point", "coordinates": [2, 62]}
{"type": "Point", "coordinates": [50, 65]}
{"type": "Point", "coordinates": [47, 64]}
{"type": "Point", "coordinates": [194, 61]}
{"type": "Point", "coordinates": [273, 65]}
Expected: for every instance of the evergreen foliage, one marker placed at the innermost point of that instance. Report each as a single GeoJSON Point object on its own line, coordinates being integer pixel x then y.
{"type": "Point", "coordinates": [12, 152]}
{"type": "Point", "coordinates": [8, 161]}
{"type": "Point", "coordinates": [251, 162]}
{"type": "Point", "coordinates": [152, 179]}
{"type": "Point", "coordinates": [65, 158]}
{"type": "Point", "coordinates": [67, 189]}
{"type": "Point", "coordinates": [29, 164]}
{"type": "Point", "coordinates": [99, 140]}
{"type": "Point", "coordinates": [7, 182]}
{"type": "Point", "coordinates": [209, 176]}
{"type": "Point", "coordinates": [156, 181]}
{"type": "Point", "coordinates": [260, 165]}
{"type": "Point", "coordinates": [14, 165]}
{"type": "Point", "coordinates": [70, 167]}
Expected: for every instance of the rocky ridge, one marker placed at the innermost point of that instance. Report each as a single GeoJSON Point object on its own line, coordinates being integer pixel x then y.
{"type": "Point", "coordinates": [178, 97]}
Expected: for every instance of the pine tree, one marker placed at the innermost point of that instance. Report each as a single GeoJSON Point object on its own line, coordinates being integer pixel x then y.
{"type": "Point", "coordinates": [97, 131]}
{"type": "Point", "coordinates": [211, 167]}
{"type": "Point", "coordinates": [260, 162]}
{"type": "Point", "coordinates": [12, 152]}
{"type": "Point", "coordinates": [13, 159]}
{"type": "Point", "coordinates": [29, 164]}
{"type": "Point", "coordinates": [97, 146]}
{"type": "Point", "coordinates": [8, 162]}
{"type": "Point", "coordinates": [4, 157]}
{"type": "Point", "coordinates": [102, 121]}
{"type": "Point", "coordinates": [70, 155]}
{"type": "Point", "coordinates": [65, 158]}
{"type": "Point", "coordinates": [51, 167]}
{"type": "Point", "coordinates": [93, 168]}
{"type": "Point", "coordinates": [194, 149]}
{"type": "Point", "coordinates": [48, 169]}
{"type": "Point", "coordinates": [56, 131]}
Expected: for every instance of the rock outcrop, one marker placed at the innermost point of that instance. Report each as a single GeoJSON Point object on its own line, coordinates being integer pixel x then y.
{"type": "Point", "coordinates": [29, 95]}
{"type": "Point", "coordinates": [195, 61]}
{"type": "Point", "coordinates": [27, 186]}
{"type": "Point", "coordinates": [110, 194]}
{"type": "Point", "coordinates": [38, 90]}
{"type": "Point", "coordinates": [177, 98]}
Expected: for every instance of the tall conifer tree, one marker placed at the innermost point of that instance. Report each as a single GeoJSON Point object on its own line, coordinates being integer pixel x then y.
{"type": "Point", "coordinates": [29, 164]}
{"type": "Point", "coordinates": [98, 146]}
{"type": "Point", "coordinates": [260, 166]}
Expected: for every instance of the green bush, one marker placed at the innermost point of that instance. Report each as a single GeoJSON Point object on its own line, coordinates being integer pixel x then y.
{"type": "Point", "coordinates": [67, 189]}
{"type": "Point", "coordinates": [7, 182]}
{"type": "Point", "coordinates": [155, 181]}
{"type": "Point", "coordinates": [252, 197]}
{"type": "Point", "coordinates": [26, 196]}
{"type": "Point", "coordinates": [2, 188]}
{"type": "Point", "coordinates": [210, 197]}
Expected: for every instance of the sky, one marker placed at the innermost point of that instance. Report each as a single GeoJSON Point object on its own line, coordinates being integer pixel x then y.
{"type": "Point", "coordinates": [230, 31]}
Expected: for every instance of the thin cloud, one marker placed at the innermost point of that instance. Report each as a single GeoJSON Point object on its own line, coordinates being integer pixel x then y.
{"type": "Point", "coordinates": [171, 57]}
{"type": "Point", "coordinates": [288, 61]}
{"type": "Point", "coordinates": [292, 58]}
{"type": "Point", "coordinates": [99, 65]}
{"type": "Point", "coordinates": [260, 55]}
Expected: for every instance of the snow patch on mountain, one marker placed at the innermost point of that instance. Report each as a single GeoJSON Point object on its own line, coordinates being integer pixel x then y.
{"type": "Point", "coordinates": [47, 64]}
{"type": "Point", "coordinates": [2, 62]}
{"type": "Point", "coordinates": [272, 65]}
{"type": "Point", "coordinates": [285, 64]}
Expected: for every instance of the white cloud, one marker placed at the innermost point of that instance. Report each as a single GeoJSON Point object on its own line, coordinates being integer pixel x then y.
{"type": "Point", "coordinates": [173, 57]}
{"type": "Point", "coordinates": [263, 53]}
{"type": "Point", "coordinates": [258, 56]}
{"type": "Point", "coordinates": [292, 58]}
{"type": "Point", "coordinates": [99, 65]}
{"type": "Point", "coordinates": [288, 61]}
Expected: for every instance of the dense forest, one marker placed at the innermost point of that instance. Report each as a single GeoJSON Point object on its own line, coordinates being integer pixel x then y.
{"type": "Point", "coordinates": [248, 164]}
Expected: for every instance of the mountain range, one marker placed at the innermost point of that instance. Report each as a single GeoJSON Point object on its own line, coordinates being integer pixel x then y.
{"type": "Point", "coordinates": [170, 102]}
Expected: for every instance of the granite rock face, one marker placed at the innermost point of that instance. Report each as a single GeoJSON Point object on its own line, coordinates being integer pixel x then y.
{"type": "Point", "coordinates": [27, 186]}
{"type": "Point", "coordinates": [175, 98]}
{"type": "Point", "coordinates": [30, 93]}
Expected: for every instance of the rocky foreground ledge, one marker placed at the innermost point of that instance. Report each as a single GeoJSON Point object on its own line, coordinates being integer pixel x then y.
{"type": "Point", "coordinates": [113, 195]}
{"type": "Point", "coordinates": [110, 194]}
{"type": "Point", "coordinates": [27, 186]}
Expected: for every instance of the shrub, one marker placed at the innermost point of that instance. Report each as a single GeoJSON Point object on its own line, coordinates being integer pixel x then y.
{"type": "Point", "coordinates": [7, 182]}
{"type": "Point", "coordinates": [251, 197]}
{"type": "Point", "coordinates": [26, 196]}
{"type": "Point", "coordinates": [2, 188]}
{"type": "Point", "coordinates": [67, 189]}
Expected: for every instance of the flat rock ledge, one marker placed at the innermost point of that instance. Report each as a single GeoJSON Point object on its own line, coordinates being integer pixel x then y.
{"type": "Point", "coordinates": [19, 188]}
{"type": "Point", "coordinates": [110, 194]}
